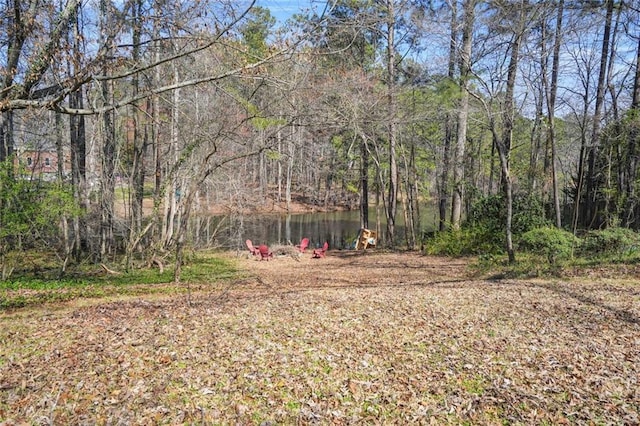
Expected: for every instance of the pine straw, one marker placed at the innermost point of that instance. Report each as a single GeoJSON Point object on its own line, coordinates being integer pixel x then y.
{"type": "Point", "coordinates": [352, 338]}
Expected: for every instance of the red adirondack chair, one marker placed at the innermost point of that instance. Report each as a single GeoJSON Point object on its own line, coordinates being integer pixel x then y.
{"type": "Point", "coordinates": [265, 253]}
{"type": "Point", "coordinates": [304, 243]}
{"type": "Point", "coordinates": [320, 252]}
{"type": "Point", "coordinates": [253, 250]}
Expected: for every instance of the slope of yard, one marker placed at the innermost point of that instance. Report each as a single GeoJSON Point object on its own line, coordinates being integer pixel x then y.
{"type": "Point", "coordinates": [353, 338]}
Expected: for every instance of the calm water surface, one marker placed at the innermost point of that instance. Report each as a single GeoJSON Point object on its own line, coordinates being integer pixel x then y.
{"type": "Point", "coordinates": [340, 229]}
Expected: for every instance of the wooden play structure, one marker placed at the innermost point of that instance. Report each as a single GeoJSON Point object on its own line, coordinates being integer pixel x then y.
{"type": "Point", "coordinates": [366, 238]}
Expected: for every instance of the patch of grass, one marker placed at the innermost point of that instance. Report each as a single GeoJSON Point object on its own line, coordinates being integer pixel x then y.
{"type": "Point", "coordinates": [23, 291]}
{"type": "Point", "coordinates": [293, 406]}
{"type": "Point", "coordinates": [527, 265]}
{"type": "Point", "coordinates": [530, 265]}
{"type": "Point", "coordinates": [474, 385]}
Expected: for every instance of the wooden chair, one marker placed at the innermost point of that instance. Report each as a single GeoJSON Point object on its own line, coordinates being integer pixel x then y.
{"type": "Point", "coordinates": [253, 250]}
{"type": "Point", "coordinates": [265, 253]}
{"type": "Point", "coordinates": [320, 252]}
{"type": "Point", "coordinates": [366, 238]}
{"type": "Point", "coordinates": [304, 243]}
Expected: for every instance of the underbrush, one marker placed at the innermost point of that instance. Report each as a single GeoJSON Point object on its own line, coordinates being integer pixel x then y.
{"type": "Point", "coordinates": [93, 281]}
{"type": "Point", "coordinates": [545, 252]}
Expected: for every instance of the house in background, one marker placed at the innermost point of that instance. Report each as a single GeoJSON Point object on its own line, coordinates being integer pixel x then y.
{"type": "Point", "coordinates": [43, 163]}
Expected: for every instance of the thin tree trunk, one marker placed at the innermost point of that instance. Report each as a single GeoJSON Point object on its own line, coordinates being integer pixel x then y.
{"type": "Point", "coordinates": [171, 197]}
{"type": "Point", "coordinates": [551, 106]}
{"type": "Point", "coordinates": [536, 131]}
{"type": "Point", "coordinates": [64, 220]}
{"type": "Point", "coordinates": [504, 143]}
{"type": "Point", "coordinates": [364, 183]}
{"type": "Point", "coordinates": [107, 180]}
{"type": "Point", "coordinates": [408, 201]}
{"type": "Point", "coordinates": [77, 138]}
{"type": "Point", "coordinates": [392, 201]}
{"type": "Point", "coordinates": [592, 174]}
{"type": "Point", "coordinates": [449, 125]}
{"type": "Point", "coordinates": [138, 141]}
{"type": "Point", "coordinates": [463, 113]}
{"type": "Point", "coordinates": [158, 230]}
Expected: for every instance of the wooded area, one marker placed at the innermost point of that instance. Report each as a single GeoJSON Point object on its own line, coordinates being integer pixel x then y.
{"type": "Point", "coordinates": [388, 102]}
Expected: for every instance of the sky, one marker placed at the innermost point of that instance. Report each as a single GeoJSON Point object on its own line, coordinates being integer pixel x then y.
{"type": "Point", "coordinates": [283, 9]}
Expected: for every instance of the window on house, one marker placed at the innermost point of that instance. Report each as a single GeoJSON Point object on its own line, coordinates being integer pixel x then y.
{"type": "Point", "coordinates": [47, 162]}
{"type": "Point", "coordinates": [29, 161]}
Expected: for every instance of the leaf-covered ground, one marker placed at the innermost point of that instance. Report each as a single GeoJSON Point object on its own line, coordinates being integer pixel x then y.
{"type": "Point", "coordinates": [350, 339]}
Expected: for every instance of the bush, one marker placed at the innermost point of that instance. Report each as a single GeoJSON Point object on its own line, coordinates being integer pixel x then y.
{"type": "Point", "coordinates": [612, 241]}
{"type": "Point", "coordinates": [490, 212]}
{"type": "Point", "coordinates": [31, 209]}
{"type": "Point", "coordinates": [467, 241]}
{"type": "Point", "coordinates": [483, 233]}
{"type": "Point", "coordinates": [553, 243]}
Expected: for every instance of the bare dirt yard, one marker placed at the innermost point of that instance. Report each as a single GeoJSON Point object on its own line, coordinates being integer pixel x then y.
{"type": "Point", "coordinates": [354, 338]}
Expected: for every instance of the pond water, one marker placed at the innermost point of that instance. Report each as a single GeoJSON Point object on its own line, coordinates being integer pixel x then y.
{"type": "Point", "coordinates": [339, 229]}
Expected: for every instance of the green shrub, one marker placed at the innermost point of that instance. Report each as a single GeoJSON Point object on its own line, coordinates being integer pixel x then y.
{"type": "Point", "coordinates": [612, 241]}
{"type": "Point", "coordinates": [31, 209]}
{"type": "Point", "coordinates": [483, 233]}
{"type": "Point", "coordinates": [467, 241]}
{"type": "Point", "coordinates": [490, 212]}
{"type": "Point", "coordinates": [553, 243]}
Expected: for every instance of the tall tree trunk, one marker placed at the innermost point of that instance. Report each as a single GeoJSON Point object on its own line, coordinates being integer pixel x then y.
{"type": "Point", "coordinates": [536, 147]}
{"type": "Point", "coordinates": [580, 177]}
{"type": "Point", "coordinates": [158, 173]}
{"type": "Point", "coordinates": [107, 178]}
{"type": "Point", "coordinates": [64, 220]}
{"type": "Point", "coordinates": [590, 213]}
{"type": "Point", "coordinates": [174, 191]}
{"type": "Point", "coordinates": [138, 138]}
{"type": "Point", "coordinates": [158, 230]}
{"type": "Point", "coordinates": [551, 91]}
{"type": "Point", "coordinates": [392, 202]}
{"type": "Point", "coordinates": [78, 152]}
{"type": "Point", "coordinates": [463, 113]}
{"type": "Point", "coordinates": [613, 184]}
{"type": "Point", "coordinates": [504, 142]}
{"type": "Point", "coordinates": [449, 125]}
{"type": "Point", "coordinates": [408, 200]}
{"type": "Point", "coordinates": [536, 131]}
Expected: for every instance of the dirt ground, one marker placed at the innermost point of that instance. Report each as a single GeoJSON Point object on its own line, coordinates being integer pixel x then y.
{"type": "Point", "coordinates": [354, 338]}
